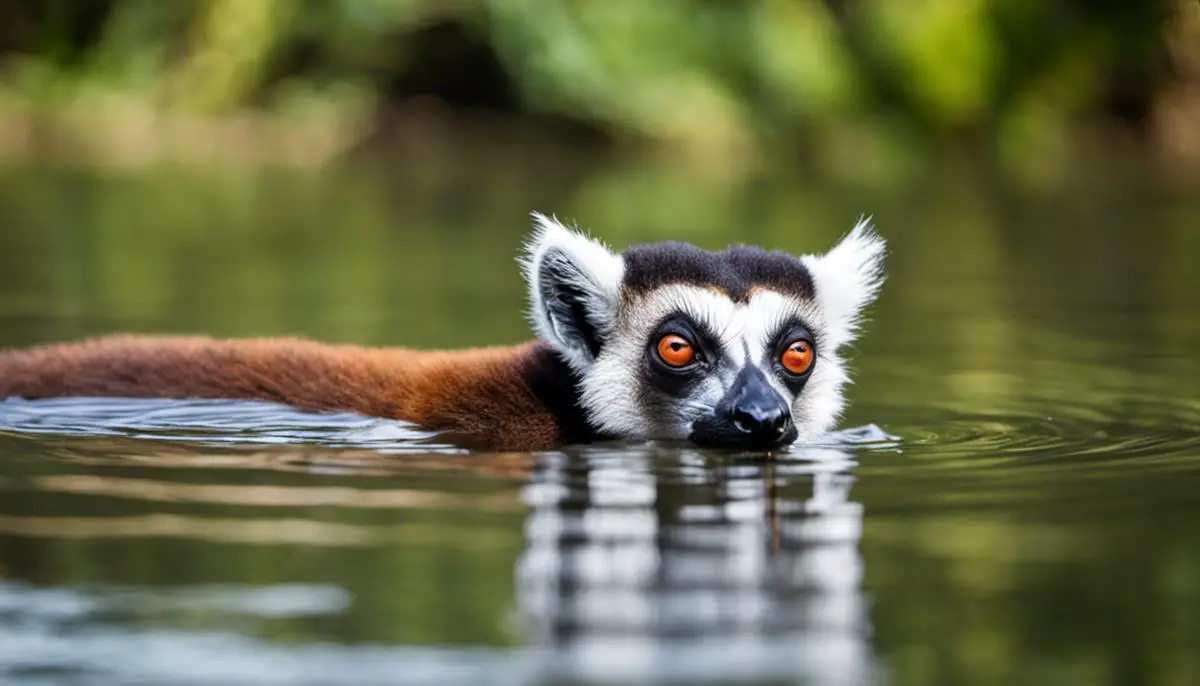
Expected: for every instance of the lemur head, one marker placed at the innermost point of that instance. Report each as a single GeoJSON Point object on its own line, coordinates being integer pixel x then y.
{"type": "Point", "coordinates": [736, 348]}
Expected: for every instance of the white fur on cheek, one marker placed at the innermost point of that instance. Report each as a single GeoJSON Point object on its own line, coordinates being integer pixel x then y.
{"type": "Point", "coordinates": [600, 273]}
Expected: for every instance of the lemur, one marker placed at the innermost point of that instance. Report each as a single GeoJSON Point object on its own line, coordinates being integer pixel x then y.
{"type": "Point", "coordinates": [665, 341]}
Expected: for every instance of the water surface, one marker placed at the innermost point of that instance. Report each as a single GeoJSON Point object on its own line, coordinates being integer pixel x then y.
{"type": "Point", "coordinates": [1019, 505]}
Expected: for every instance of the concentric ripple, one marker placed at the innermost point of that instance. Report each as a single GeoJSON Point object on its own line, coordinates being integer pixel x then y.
{"type": "Point", "coordinates": [1076, 430]}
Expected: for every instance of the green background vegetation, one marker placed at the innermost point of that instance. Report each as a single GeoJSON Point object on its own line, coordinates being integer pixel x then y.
{"type": "Point", "coordinates": [862, 86]}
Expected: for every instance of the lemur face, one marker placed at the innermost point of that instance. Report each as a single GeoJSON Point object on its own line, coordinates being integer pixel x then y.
{"type": "Point", "coordinates": [734, 349]}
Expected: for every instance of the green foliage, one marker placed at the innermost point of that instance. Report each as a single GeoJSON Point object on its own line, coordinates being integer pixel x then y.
{"type": "Point", "coordinates": [719, 77]}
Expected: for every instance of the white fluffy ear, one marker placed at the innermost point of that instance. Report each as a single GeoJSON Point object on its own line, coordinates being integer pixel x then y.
{"type": "Point", "coordinates": [847, 279]}
{"type": "Point", "coordinates": [574, 290]}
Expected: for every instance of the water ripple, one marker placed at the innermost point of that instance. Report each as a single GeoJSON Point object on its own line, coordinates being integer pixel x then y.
{"type": "Point", "coordinates": [1074, 430]}
{"type": "Point", "coordinates": [212, 423]}
{"type": "Point", "coordinates": [236, 422]}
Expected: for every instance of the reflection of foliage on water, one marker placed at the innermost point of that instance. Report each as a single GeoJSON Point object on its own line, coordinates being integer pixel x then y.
{"type": "Point", "coordinates": [847, 80]}
{"type": "Point", "coordinates": [439, 574]}
{"type": "Point", "coordinates": [346, 255]}
{"type": "Point", "coordinates": [1057, 573]}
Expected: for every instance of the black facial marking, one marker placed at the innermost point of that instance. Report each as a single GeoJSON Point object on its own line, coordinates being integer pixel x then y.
{"type": "Point", "coordinates": [659, 389]}
{"type": "Point", "coordinates": [735, 271]}
{"type": "Point", "coordinates": [786, 336]}
{"type": "Point", "coordinates": [556, 385]}
{"type": "Point", "coordinates": [565, 301]}
{"type": "Point", "coordinates": [678, 382]}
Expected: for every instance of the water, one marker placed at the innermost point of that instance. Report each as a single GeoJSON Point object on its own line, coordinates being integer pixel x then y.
{"type": "Point", "coordinates": [1015, 501]}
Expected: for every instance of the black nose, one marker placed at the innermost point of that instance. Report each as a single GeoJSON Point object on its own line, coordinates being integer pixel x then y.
{"type": "Point", "coordinates": [752, 415]}
{"type": "Point", "coordinates": [761, 420]}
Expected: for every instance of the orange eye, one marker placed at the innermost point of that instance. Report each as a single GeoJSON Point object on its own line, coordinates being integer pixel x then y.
{"type": "Point", "coordinates": [798, 358]}
{"type": "Point", "coordinates": [675, 350]}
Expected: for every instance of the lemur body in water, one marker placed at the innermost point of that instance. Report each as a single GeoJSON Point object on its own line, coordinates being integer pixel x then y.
{"type": "Point", "coordinates": [738, 348]}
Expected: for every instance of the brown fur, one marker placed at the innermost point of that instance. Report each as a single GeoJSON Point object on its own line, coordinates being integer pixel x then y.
{"type": "Point", "coordinates": [484, 396]}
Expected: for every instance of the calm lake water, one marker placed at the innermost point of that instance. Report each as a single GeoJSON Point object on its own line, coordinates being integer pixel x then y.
{"type": "Point", "coordinates": [1016, 500]}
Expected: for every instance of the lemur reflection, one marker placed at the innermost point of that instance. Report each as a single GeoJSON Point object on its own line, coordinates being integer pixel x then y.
{"type": "Point", "coordinates": [645, 559]}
